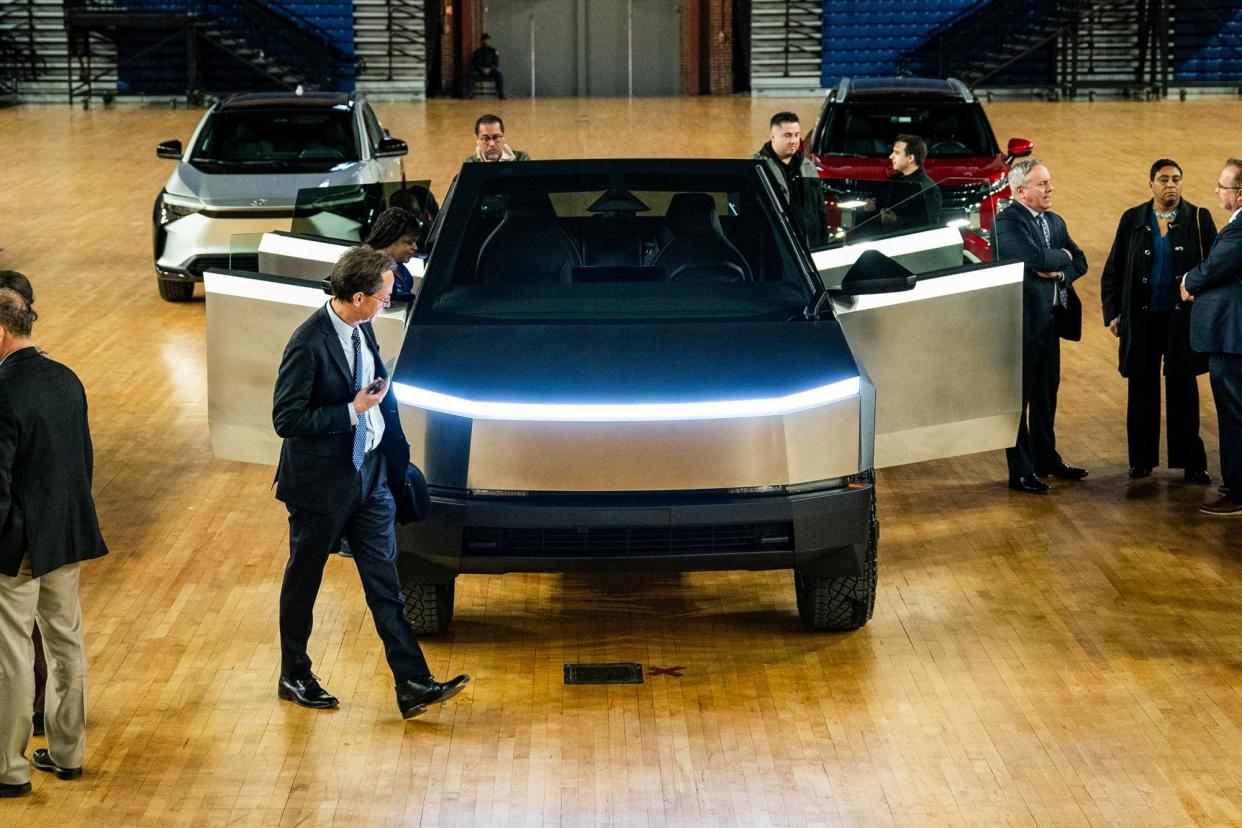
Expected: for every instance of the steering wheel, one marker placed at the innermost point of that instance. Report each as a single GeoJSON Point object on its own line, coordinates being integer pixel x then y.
{"type": "Point", "coordinates": [951, 146]}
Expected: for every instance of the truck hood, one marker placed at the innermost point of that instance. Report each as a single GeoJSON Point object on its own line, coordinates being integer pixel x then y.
{"type": "Point", "coordinates": [242, 190]}
{"type": "Point", "coordinates": [625, 364]}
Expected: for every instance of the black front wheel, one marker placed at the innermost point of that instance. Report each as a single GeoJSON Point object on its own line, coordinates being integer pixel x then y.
{"type": "Point", "coordinates": [428, 607]}
{"type": "Point", "coordinates": [841, 603]}
{"type": "Point", "coordinates": [175, 290]}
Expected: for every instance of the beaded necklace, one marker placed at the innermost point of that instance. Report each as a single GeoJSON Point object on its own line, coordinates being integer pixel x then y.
{"type": "Point", "coordinates": [1169, 216]}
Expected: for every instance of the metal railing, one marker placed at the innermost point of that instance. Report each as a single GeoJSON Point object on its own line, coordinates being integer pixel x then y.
{"type": "Point", "coordinates": [987, 38]}
{"type": "Point", "coordinates": [19, 60]}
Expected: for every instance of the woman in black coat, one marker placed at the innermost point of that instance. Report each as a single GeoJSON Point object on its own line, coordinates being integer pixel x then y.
{"type": "Point", "coordinates": [1156, 243]}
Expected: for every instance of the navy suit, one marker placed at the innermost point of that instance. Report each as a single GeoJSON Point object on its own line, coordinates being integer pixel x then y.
{"type": "Point", "coordinates": [328, 498]}
{"type": "Point", "coordinates": [1016, 235]}
{"type": "Point", "coordinates": [1216, 330]}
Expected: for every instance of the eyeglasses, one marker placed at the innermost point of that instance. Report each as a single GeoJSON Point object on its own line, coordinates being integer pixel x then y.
{"type": "Point", "coordinates": [385, 302]}
{"type": "Point", "coordinates": [1220, 187]}
{"type": "Point", "coordinates": [492, 139]}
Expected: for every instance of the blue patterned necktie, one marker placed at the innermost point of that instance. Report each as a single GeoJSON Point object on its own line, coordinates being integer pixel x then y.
{"type": "Point", "coordinates": [360, 433]}
{"type": "Point", "coordinates": [1043, 228]}
{"type": "Point", "coordinates": [1060, 296]}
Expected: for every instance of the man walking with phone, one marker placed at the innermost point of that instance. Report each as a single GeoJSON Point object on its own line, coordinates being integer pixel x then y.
{"type": "Point", "coordinates": [343, 457]}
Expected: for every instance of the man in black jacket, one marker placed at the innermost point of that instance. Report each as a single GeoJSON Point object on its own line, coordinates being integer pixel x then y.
{"type": "Point", "coordinates": [795, 176]}
{"type": "Point", "coordinates": [1030, 231]}
{"type": "Point", "coordinates": [911, 200]}
{"type": "Point", "coordinates": [343, 445]}
{"type": "Point", "coordinates": [47, 528]}
{"type": "Point", "coordinates": [485, 63]}
{"type": "Point", "coordinates": [1215, 286]}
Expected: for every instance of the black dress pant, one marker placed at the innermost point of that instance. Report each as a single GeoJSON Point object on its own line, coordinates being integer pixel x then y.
{"type": "Point", "coordinates": [1226, 374]}
{"type": "Point", "coordinates": [1143, 405]}
{"type": "Point", "coordinates": [1035, 451]}
{"type": "Point", "coordinates": [368, 523]}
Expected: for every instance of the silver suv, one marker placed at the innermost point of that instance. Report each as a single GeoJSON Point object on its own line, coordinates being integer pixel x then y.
{"type": "Point", "coordinates": [248, 160]}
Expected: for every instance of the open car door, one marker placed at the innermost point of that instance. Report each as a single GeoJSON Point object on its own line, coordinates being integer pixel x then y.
{"type": "Point", "coordinates": [943, 351]}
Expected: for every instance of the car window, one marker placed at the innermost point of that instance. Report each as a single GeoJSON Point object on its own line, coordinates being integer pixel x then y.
{"type": "Point", "coordinates": [375, 132]}
{"type": "Point", "coordinates": [636, 246]}
{"type": "Point", "coordinates": [276, 140]}
{"type": "Point", "coordinates": [951, 130]}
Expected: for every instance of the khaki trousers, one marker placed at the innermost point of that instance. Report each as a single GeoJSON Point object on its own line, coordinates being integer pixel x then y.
{"type": "Point", "coordinates": [53, 599]}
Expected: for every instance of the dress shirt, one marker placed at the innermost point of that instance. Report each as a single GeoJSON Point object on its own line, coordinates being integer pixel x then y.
{"type": "Point", "coordinates": [345, 333]}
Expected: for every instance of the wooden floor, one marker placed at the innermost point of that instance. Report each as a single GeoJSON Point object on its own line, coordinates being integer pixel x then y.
{"type": "Point", "coordinates": [1069, 660]}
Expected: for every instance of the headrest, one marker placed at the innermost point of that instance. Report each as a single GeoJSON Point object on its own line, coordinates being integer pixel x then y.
{"type": "Point", "coordinates": [693, 214]}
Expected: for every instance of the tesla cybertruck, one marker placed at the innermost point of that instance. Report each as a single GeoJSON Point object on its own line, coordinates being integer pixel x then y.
{"type": "Point", "coordinates": [637, 365]}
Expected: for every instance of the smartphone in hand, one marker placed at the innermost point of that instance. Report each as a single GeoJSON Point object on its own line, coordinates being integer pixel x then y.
{"type": "Point", "coordinates": [375, 385]}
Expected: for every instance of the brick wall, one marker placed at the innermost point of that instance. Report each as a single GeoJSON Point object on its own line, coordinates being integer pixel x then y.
{"type": "Point", "coordinates": [706, 47]}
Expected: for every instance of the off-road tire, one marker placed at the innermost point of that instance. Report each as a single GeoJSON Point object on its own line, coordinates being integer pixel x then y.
{"type": "Point", "coordinates": [841, 603]}
{"type": "Point", "coordinates": [428, 607]}
{"type": "Point", "coordinates": [175, 290]}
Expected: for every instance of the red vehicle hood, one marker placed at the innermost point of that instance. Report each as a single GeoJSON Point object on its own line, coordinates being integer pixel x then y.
{"type": "Point", "coordinates": [987, 167]}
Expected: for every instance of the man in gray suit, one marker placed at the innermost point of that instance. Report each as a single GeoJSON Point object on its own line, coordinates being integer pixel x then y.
{"type": "Point", "coordinates": [1215, 286]}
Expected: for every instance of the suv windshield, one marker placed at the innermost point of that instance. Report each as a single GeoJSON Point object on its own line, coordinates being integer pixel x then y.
{"type": "Point", "coordinates": [637, 246]}
{"type": "Point", "coordinates": [266, 140]}
{"type": "Point", "coordinates": [951, 130]}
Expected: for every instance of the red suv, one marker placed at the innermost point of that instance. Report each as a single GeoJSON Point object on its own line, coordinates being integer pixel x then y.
{"type": "Point", "coordinates": [854, 135]}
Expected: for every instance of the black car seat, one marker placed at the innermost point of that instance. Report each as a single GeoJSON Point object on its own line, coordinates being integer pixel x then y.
{"type": "Point", "coordinates": [528, 246]}
{"type": "Point", "coordinates": [699, 250]}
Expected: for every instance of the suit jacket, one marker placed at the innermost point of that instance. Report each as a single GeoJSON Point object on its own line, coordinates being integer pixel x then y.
{"type": "Point", "coordinates": [1216, 285]}
{"type": "Point", "coordinates": [1124, 290]}
{"type": "Point", "coordinates": [46, 464]}
{"type": "Point", "coordinates": [1015, 235]}
{"type": "Point", "coordinates": [313, 387]}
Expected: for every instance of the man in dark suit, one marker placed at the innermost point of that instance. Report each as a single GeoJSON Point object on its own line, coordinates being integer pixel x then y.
{"type": "Point", "coordinates": [343, 444]}
{"type": "Point", "coordinates": [1030, 231]}
{"type": "Point", "coordinates": [47, 528]}
{"type": "Point", "coordinates": [1215, 287]}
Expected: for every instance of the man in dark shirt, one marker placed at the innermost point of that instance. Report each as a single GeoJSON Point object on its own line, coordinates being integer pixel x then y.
{"type": "Point", "coordinates": [796, 177]}
{"type": "Point", "coordinates": [911, 201]}
{"type": "Point", "coordinates": [485, 63]}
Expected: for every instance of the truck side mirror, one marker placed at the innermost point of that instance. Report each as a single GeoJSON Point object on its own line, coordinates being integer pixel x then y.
{"type": "Point", "coordinates": [875, 273]}
{"type": "Point", "coordinates": [169, 149]}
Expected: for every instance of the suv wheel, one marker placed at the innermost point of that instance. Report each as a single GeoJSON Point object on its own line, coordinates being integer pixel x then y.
{"type": "Point", "coordinates": [841, 603]}
{"type": "Point", "coordinates": [428, 607]}
{"type": "Point", "coordinates": [175, 290]}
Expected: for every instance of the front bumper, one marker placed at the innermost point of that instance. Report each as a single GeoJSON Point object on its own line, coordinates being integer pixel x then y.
{"type": "Point", "coordinates": [187, 247]}
{"type": "Point", "coordinates": [823, 533]}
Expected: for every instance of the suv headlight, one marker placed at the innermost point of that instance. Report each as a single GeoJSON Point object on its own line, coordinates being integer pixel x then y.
{"type": "Point", "coordinates": [172, 208]}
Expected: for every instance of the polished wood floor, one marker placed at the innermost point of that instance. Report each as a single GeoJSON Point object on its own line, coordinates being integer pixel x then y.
{"type": "Point", "coordinates": [1069, 660]}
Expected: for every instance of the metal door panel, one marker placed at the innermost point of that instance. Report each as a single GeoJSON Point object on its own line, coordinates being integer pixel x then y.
{"type": "Point", "coordinates": [946, 362]}
{"type": "Point", "coordinates": [250, 318]}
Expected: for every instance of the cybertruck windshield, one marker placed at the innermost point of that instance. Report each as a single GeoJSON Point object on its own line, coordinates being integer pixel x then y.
{"type": "Point", "coordinates": [617, 245]}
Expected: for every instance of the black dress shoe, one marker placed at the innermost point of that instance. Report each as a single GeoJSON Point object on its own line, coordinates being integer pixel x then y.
{"type": "Point", "coordinates": [36, 722]}
{"type": "Point", "coordinates": [42, 760]}
{"type": "Point", "coordinates": [306, 692]}
{"type": "Point", "coordinates": [20, 789]}
{"type": "Point", "coordinates": [1199, 476]}
{"type": "Point", "coordinates": [1029, 483]}
{"type": "Point", "coordinates": [1139, 472]}
{"type": "Point", "coordinates": [413, 697]}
